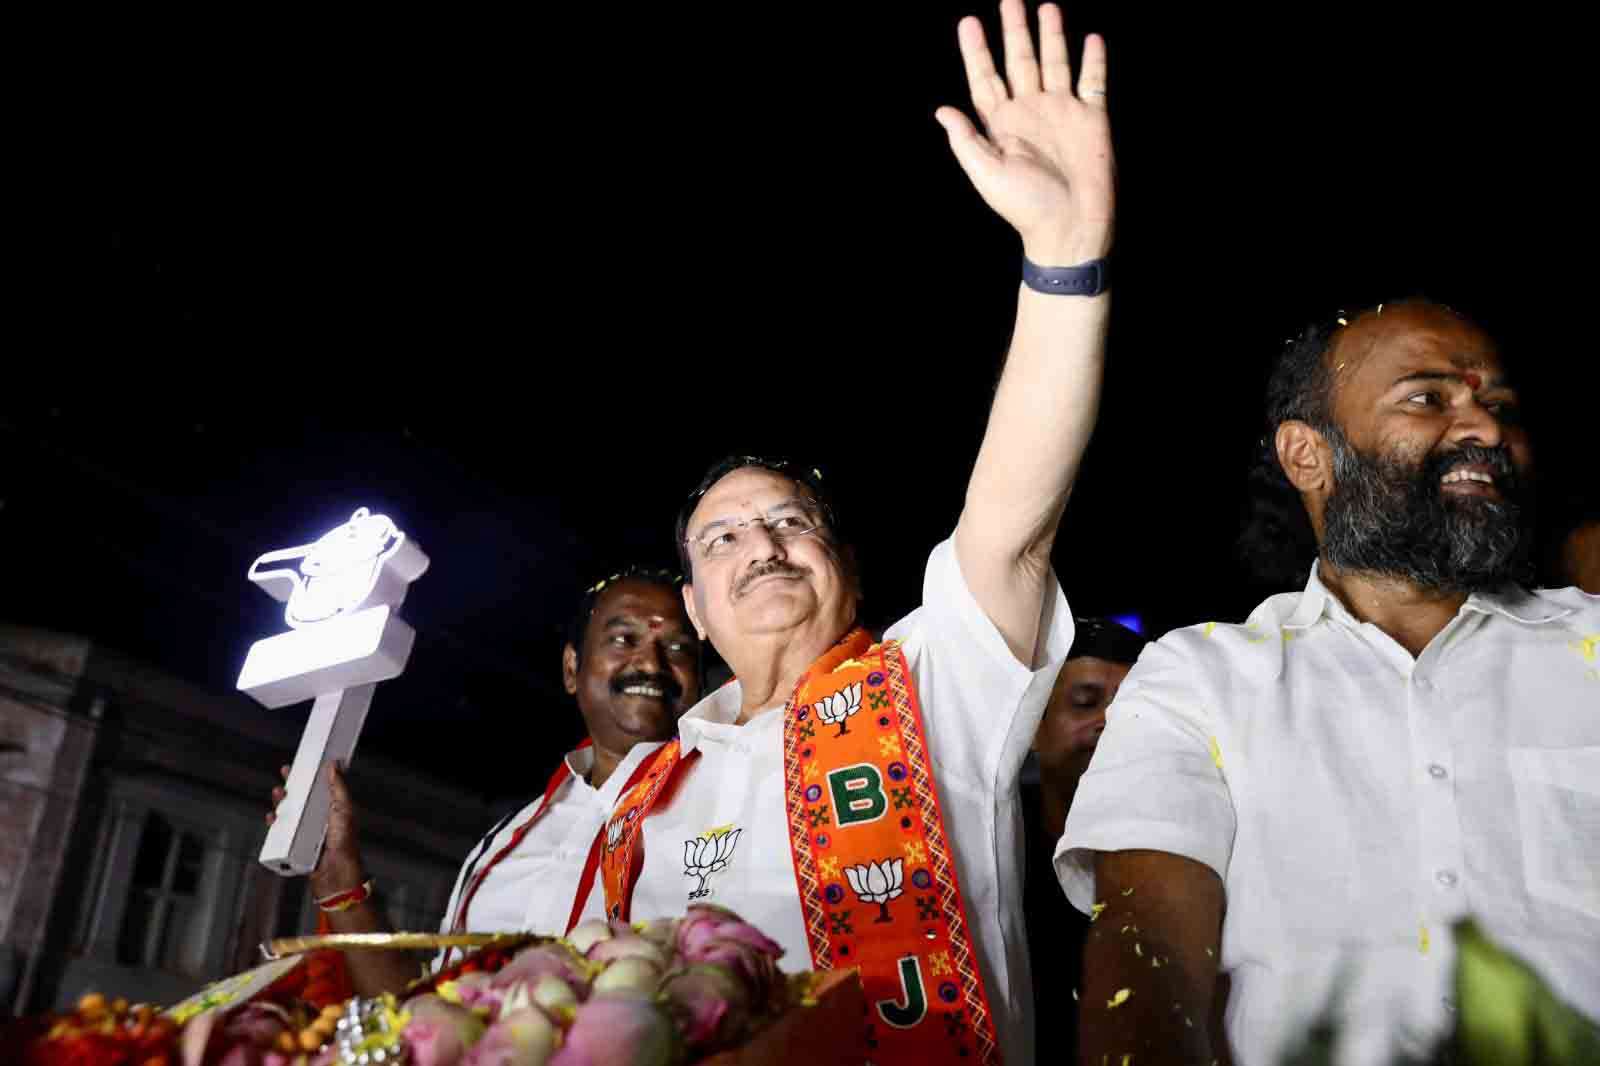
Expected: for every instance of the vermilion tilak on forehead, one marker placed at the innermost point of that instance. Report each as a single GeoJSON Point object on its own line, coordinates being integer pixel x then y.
{"type": "Point", "coordinates": [1474, 381]}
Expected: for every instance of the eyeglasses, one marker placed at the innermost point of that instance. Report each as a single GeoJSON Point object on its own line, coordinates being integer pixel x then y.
{"type": "Point", "coordinates": [786, 521]}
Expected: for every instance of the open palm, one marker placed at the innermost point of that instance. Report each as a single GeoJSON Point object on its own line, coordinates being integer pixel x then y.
{"type": "Point", "coordinates": [1045, 165]}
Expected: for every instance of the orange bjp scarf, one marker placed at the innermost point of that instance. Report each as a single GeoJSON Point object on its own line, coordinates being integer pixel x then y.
{"type": "Point", "coordinates": [872, 860]}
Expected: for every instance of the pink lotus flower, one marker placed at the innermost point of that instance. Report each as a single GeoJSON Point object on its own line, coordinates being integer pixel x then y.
{"type": "Point", "coordinates": [705, 924]}
{"type": "Point", "coordinates": [532, 963]}
{"type": "Point", "coordinates": [439, 1032]}
{"type": "Point", "coordinates": [520, 1038]}
{"type": "Point", "coordinates": [630, 976]}
{"type": "Point", "coordinates": [554, 996]}
{"type": "Point", "coordinates": [475, 990]}
{"type": "Point", "coordinates": [660, 931]}
{"type": "Point", "coordinates": [585, 935]}
{"type": "Point", "coordinates": [711, 1006]}
{"type": "Point", "coordinates": [619, 1031]}
{"type": "Point", "coordinates": [628, 946]}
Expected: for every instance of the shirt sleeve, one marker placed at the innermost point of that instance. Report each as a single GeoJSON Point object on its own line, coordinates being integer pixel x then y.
{"type": "Point", "coordinates": [1154, 783]}
{"type": "Point", "coordinates": [981, 706]}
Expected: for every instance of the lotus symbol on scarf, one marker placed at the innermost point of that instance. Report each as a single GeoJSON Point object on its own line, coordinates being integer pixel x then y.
{"type": "Point", "coordinates": [707, 854]}
{"type": "Point", "coordinates": [613, 834]}
{"type": "Point", "coordinates": [878, 882]}
{"type": "Point", "coordinates": [837, 708]}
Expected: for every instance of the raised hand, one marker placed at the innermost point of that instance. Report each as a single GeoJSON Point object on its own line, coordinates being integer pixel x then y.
{"type": "Point", "coordinates": [1045, 165]}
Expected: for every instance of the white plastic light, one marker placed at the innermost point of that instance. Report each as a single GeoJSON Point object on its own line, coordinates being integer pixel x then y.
{"type": "Point", "coordinates": [344, 638]}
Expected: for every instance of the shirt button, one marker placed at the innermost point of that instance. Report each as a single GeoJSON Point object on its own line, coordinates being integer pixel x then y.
{"type": "Point", "coordinates": [1438, 772]}
{"type": "Point", "coordinates": [1424, 683]}
{"type": "Point", "coordinates": [1447, 878]}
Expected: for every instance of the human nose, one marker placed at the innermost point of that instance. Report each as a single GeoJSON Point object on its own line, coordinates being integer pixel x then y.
{"type": "Point", "coordinates": [1096, 723]}
{"type": "Point", "coordinates": [763, 544]}
{"type": "Point", "coordinates": [1476, 424]}
{"type": "Point", "coordinates": [652, 652]}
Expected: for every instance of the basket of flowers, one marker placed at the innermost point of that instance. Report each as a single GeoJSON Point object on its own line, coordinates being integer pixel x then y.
{"type": "Point", "coordinates": [703, 988]}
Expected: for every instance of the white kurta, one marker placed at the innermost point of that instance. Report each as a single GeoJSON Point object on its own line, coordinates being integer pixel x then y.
{"type": "Point", "coordinates": [532, 888]}
{"type": "Point", "coordinates": [1365, 801]}
{"type": "Point", "coordinates": [980, 707]}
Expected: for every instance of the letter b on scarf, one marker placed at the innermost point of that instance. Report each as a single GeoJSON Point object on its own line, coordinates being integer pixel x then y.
{"type": "Point", "coordinates": [857, 794]}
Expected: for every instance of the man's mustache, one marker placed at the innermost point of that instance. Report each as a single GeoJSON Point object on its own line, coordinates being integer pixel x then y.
{"type": "Point", "coordinates": [671, 690]}
{"type": "Point", "coordinates": [767, 569]}
{"type": "Point", "coordinates": [1497, 459]}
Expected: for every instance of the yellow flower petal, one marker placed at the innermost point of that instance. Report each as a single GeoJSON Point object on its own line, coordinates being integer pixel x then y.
{"type": "Point", "coordinates": [1216, 753]}
{"type": "Point", "coordinates": [1119, 999]}
{"type": "Point", "coordinates": [1422, 939]}
{"type": "Point", "coordinates": [1094, 911]}
{"type": "Point", "coordinates": [1137, 950]}
{"type": "Point", "coordinates": [1127, 892]}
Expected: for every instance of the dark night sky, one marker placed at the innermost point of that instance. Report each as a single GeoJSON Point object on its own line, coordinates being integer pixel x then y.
{"type": "Point", "coordinates": [517, 284]}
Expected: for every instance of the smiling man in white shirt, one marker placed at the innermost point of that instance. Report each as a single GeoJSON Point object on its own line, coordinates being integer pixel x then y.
{"type": "Point", "coordinates": [858, 800]}
{"type": "Point", "coordinates": [632, 661]}
{"type": "Point", "coordinates": [1308, 802]}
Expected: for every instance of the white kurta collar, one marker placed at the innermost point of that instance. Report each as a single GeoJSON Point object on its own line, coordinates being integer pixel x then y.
{"type": "Point", "coordinates": [719, 708]}
{"type": "Point", "coordinates": [580, 761]}
{"type": "Point", "coordinates": [1510, 601]}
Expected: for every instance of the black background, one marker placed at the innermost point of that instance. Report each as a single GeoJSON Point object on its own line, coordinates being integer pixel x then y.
{"type": "Point", "coordinates": [516, 281]}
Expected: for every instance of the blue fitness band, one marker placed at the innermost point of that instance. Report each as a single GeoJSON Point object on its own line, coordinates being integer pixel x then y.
{"type": "Point", "coordinates": [1089, 279]}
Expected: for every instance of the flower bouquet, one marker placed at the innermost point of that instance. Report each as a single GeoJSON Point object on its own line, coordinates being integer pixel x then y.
{"type": "Point", "coordinates": [704, 988]}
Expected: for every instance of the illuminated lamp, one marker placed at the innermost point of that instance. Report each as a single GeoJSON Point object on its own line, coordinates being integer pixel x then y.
{"type": "Point", "coordinates": [344, 637]}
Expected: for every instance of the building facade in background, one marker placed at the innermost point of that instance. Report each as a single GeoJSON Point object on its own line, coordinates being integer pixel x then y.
{"type": "Point", "coordinates": [131, 813]}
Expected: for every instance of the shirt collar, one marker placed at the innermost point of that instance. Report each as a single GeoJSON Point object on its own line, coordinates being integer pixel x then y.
{"type": "Point", "coordinates": [580, 761]}
{"type": "Point", "coordinates": [1517, 604]}
{"type": "Point", "coordinates": [719, 708]}
{"type": "Point", "coordinates": [1314, 603]}
{"type": "Point", "coordinates": [1512, 602]}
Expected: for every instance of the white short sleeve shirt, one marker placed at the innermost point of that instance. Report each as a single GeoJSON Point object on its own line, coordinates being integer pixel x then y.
{"type": "Point", "coordinates": [980, 707]}
{"type": "Point", "coordinates": [1357, 802]}
{"type": "Point", "coordinates": [532, 888]}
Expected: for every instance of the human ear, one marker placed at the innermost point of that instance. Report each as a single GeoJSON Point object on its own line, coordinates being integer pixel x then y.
{"type": "Point", "coordinates": [688, 608]}
{"type": "Point", "coordinates": [1304, 455]}
{"type": "Point", "coordinates": [569, 669]}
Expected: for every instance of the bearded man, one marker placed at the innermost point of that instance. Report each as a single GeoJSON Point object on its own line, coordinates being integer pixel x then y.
{"type": "Point", "coordinates": [858, 800]}
{"type": "Point", "coordinates": [1310, 801]}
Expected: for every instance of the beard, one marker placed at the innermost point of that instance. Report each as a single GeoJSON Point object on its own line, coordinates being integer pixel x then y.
{"type": "Point", "coordinates": [1390, 517]}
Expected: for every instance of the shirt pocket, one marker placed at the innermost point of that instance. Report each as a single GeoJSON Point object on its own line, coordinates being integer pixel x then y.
{"type": "Point", "coordinates": [1558, 812]}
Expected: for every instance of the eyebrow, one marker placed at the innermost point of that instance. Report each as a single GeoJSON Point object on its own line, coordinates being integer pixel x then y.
{"type": "Point", "coordinates": [633, 621]}
{"type": "Point", "coordinates": [1496, 382]}
{"type": "Point", "coordinates": [733, 521]}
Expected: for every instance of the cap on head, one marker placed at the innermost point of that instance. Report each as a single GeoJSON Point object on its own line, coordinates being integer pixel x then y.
{"type": "Point", "coordinates": [801, 473]}
{"type": "Point", "coordinates": [1105, 639]}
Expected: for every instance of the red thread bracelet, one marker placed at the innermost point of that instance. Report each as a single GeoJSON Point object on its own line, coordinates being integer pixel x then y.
{"type": "Point", "coordinates": [343, 901]}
